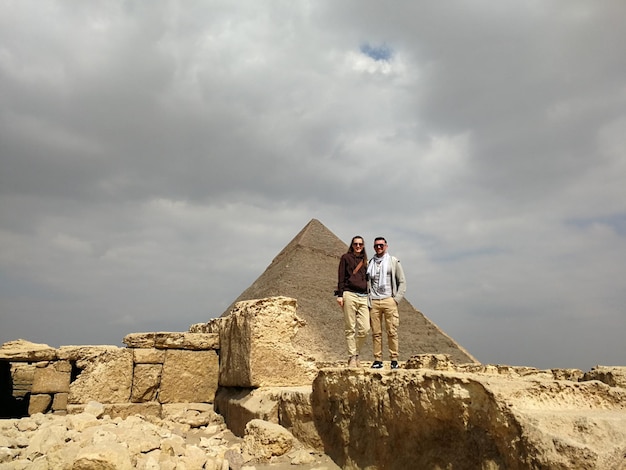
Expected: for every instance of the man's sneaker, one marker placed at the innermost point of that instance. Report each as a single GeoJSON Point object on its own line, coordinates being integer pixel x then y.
{"type": "Point", "coordinates": [377, 365]}
{"type": "Point", "coordinates": [352, 361]}
{"type": "Point", "coordinates": [394, 365]}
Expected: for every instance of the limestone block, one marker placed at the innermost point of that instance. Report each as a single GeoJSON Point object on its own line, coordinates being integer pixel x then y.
{"type": "Point", "coordinates": [59, 401]}
{"type": "Point", "coordinates": [439, 419]}
{"type": "Point", "coordinates": [124, 410]}
{"type": "Point", "coordinates": [192, 414]}
{"type": "Point", "coordinates": [120, 410]}
{"type": "Point", "coordinates": [139, 340]}
{"type": "Point", "coordinates": [430, 361]}
{"type": "Point", "coordinates": [240, 406]}
{"type": "Point", "coordinates": [24, 351]}
{"type": "Point", "coordinates": [256, 345]}
{"type": "Point", "coordinates": [53, 377]}
{"type": "Point", "coordinates": [189, 376]}
{"type": "Point", "coordinates": [39, 403]}
{"type": "Point", "coordinates": [76, 353]}
{"type": "Point", "coordinates": [288, 406]}
{"type": "Point", "coordinates": [173, 340]}
{"type": "Point", "coordinates": [148, 356]}
{"type": "Point", "coordinates": [103, 455]}
{"type": "Point", "coordinates": [191, 341]}
{"type": "Point", "coordinates": [146, 381]}
{"type": "Point", "coordinates": [105, 377]}
{"type": "Point", "coordinates": [212, 326]}
{"type": "Point", "coordinates": [22, 376]}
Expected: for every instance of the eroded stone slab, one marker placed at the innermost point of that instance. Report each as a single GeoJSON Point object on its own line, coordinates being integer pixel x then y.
{"type": "Point", "coordinates": [53, 377]}
{"type": "Point", "coordinates": [24, 351]}
{"type": "Point", "coordinates": [105, 377]}
{"type": "Point", "coordinates": [257, 347]}
{"type": "Point", "coordinates": [173, 340]}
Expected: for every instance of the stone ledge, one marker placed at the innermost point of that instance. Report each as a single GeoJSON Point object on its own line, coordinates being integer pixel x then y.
{"type": "Point", "coordinates": [120, 410]}
{"type": "Point", "coordinates": [24, 351]}
{"type": "Point", "coordinates": [173, 340]}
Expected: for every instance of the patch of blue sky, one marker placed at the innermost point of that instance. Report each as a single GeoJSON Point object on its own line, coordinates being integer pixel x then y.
{"type": "Point", "coordinates": [617, 222]}
{"type": "Point", "coordinates": [382, 53]}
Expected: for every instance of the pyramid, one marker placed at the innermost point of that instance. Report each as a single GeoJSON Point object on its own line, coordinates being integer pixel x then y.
{"type": "Point", "coordinates": [306, 269]}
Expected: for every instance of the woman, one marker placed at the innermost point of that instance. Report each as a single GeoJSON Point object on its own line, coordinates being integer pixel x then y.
{"type": "Point", "coordinates": [352, 297]}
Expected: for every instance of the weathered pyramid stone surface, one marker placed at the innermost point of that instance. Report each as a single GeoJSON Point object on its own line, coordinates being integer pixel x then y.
{"type": "Point", "coordinates": [306, 269]}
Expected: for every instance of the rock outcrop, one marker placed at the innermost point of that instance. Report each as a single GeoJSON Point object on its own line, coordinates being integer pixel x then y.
{"type": "Point", "coordinates": [441, 419]}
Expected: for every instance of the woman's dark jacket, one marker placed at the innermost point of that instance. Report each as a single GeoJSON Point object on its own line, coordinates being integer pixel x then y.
{"type": "Point", "coordinates": [347, 279]}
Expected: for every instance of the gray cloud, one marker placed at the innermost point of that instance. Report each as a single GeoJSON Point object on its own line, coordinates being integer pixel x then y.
{"type": "Point", "coordinates": [154, 159]}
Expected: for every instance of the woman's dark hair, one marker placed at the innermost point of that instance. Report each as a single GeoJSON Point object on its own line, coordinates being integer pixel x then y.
{"type": "Point", "coordinates": [351, 248]}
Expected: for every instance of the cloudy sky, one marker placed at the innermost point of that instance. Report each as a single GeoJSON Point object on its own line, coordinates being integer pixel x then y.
{"type": "Point", "coordinates": [156, 156]}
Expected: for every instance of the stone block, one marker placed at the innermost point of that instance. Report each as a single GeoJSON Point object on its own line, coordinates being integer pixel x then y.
{"type": "Point", "coordinates": [148, 356]}
{"type": "Point", "coordinates": [121, 410]}
{"type": "Point", "coordinates": [257, 347]}
{"type": "Point", "coordinates": [193, 414]}
{"type": "Point", "coordinates": [431, 361]}
{"type": "Point", "coordinates": [22, 376]}
{"type": "Point", "coordinates": [59, 401]}
{"type": "Point", "coordinates": [173, 340]}
{"type": "Point", "coordinates": [53, 377]}
{"type": "Point", "coordinates": [105, 377]}
{"type": "Point", "coordinates": [288, 406]}
{"type": "Point", "coordinates": [39, 403]}
{"type": "Point", "coordinates": [189, 376]}
{"type": "Point", "coordinates": [212, 326]}
{"type": "Point", "coordinates": [24, 351]}
{"type": "Point", "coordinates": [146, 382]}
{"type": "Point", "coordinates": [139, 340]}
{"type": "Point", "coordinates": [76, 353]}
{"type": "Point", "coordinates": [191, 341]}
{"type": "Point", "coordinates": [240, 406]}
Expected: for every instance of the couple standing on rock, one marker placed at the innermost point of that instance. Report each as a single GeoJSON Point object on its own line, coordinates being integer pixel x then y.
{"type": "Point", "coordinates": [369, 293]}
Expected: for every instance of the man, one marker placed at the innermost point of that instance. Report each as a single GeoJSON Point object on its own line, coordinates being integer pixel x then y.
{"type": "Point", "coordinates": [386, 287]}
{"type": "Point", "coordinates": [352, 297]}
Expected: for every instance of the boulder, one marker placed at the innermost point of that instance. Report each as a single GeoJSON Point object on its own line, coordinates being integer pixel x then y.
{"type": "Point", "coordinates": [264, 440]}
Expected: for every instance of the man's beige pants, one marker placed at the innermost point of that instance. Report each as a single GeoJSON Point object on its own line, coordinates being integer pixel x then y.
{"type": "Point", "coordinates": [387, 310]}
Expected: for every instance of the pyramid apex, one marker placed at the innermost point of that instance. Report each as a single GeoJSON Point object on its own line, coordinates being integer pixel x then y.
{"type": "Point", "coordinates": [317, 236]}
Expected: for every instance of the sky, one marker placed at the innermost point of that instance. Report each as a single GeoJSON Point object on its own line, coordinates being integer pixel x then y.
{"type": "Point", "coordinates": [156, 156]}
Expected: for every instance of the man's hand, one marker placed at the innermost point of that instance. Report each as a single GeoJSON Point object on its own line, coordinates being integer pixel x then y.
{"type": "Point", "coordinates": [340, 301]}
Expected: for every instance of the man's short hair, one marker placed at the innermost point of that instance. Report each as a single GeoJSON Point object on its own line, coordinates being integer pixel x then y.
{"type": "Point", "coordinates": [380, 238]}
